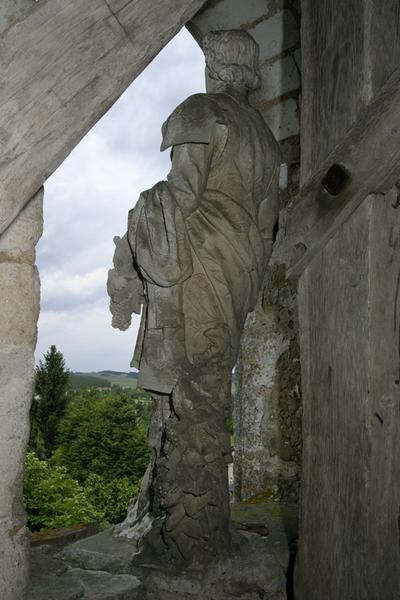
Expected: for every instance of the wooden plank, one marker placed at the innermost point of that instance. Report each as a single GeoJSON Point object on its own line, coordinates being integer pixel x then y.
{"type": "Point", "coordinates": [383, 49]}
{"type": "Point", "coordinates": [350, 326]}
{"type": "Point", "coordinates": [383, 418]}
{"type": "Point", "coordinates": [63, 63]}
{"type": "Point", "coordinates": [334, 80]}
{"type": "Point", "coordinates": [370, 152]}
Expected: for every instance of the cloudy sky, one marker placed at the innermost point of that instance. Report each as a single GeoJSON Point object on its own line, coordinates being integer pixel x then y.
{"type": "Point", "coordinates": [86, 204]}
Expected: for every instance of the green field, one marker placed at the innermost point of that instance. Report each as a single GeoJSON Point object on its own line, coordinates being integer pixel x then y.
{"type": "Point", "coordinates": [103, 379]}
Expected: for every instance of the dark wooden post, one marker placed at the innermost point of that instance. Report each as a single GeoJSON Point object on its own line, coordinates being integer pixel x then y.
{"type": "Point", "coordinates": [350, 323]}
{"type": "Point", "coordinates": [347, 255]}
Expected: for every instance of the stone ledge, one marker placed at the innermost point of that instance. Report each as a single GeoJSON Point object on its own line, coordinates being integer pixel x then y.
{"type": "Point", "coordinates": [53, 580]}
{"type": "Point", "coordinates": [256, 569]}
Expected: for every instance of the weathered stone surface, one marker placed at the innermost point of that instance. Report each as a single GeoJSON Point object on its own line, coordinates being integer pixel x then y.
{"type": "Point", "coordinates": [19, 284]}
{"type": "Point", "coordinates": [50, 578]}
{"type": "Point", "coordinates": [283, 119]}
{"type": "Point", "coordinates": [277, 79]}
{"type": "Point", "coordinates": [98, 585]}
{"type": "Point", "coordinates": [267, 417]}
{"type": "Point", "coordinates": [101, 552]}
{"type": "Point", "coordinates": [255, 569]}
{"type": "Point", "coordinates": [54, 580]}
{"type": "Point", "coordinates": [276, 34]}
{"type": "Point", "coordinates": [14, 10]}
{"type": "Point", "coordinates": [64, 64]}
{"type": "Point", "coordinates": [277, 522]}
{"type": "Point", "coordinates": [257, 566]}
{"type": "Point", "coordinates": [226, 14]}
{"type": "Point", "coordinates": [17, 244]}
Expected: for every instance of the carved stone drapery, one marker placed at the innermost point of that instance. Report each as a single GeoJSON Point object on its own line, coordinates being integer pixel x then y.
{"type": "Point", "coordinates": [195, 255]}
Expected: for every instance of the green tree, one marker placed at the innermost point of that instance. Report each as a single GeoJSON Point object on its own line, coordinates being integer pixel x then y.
{"type": "Point", "coordinates": [111, 498]}
{"type": "Point", "coordinates": [105, 433]}
{"type": "Point", "coordinates": [53, 499]}
{"type": "Point", "coordinates": [49, 402]}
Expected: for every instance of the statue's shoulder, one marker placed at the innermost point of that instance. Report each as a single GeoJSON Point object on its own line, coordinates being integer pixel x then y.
{"type": "Point", "coordinates": [193, 121]}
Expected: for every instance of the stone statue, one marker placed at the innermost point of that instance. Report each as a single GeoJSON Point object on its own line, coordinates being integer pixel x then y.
{"type": "Point", "coordinates": [192, 262]}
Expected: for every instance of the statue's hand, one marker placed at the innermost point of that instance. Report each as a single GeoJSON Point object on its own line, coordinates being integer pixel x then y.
{"type": "Point", "coordinates": [126, 294]}
{"type": "Point", "coordinates": [124, 286]}
{"type": "Point", "coordinates": [120, 319]}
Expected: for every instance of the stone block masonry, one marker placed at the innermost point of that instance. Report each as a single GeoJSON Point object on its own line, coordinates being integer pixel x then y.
{"type": "Point", "coordinates": [275, 25]}
{"type": "Point", "coordinates": [19, 284]}
{"type": "Point", "coordinates": [278, 78]}
{"type": "Point", "coordinates": [276, 34]}
{"type": "Point", "coordinates": [283, 119]}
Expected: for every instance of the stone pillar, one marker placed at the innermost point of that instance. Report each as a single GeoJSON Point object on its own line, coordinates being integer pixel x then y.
{"type": "Point", "coordinates": [267, 403]}
{"type": "Point", "coordinates": [267, 407]}
{"type": "Point", "coordinates": [20, 289]}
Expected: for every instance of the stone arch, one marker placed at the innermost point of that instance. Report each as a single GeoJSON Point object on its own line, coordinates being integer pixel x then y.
{"type": "Point", "coordinates": [64, 64]}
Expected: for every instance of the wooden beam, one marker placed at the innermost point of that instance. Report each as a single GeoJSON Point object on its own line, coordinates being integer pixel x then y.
{"type": "Point", "coordinates": [63, 63]}
{"type": "Point", "coordinates": [349, 313]}
{"type": "Point", "coordinates": [335, 81]}
{"type": "Point", "coordinates": [370, 153]}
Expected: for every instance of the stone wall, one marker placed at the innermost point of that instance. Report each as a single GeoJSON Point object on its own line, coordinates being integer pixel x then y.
{"type": "Point", "coordinates": [19, 284]}
{"type": "Point", "coordinates": [267, 405]}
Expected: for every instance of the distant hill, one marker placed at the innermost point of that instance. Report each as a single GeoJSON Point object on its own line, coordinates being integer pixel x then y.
{"type": "Point", "coordinates": [85, 380]}
{"type": "Point", "coordinates": [103, 379]}
{"type": "Point", "coordinates": [131, 374]}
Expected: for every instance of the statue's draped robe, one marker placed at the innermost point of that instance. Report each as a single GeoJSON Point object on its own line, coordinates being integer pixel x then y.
{"type": "Point", "coordinates": [200, 242]}
{"type": "Point", "coordinates": [200, 239]}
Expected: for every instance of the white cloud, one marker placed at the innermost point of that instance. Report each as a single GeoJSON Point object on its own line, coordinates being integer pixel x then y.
{"type": "Point", "coordinates": [86, 338]}
{"type": "Point", "coordinates": [86, 204]}
{"type": "Point", "coordinates": [60, 290]}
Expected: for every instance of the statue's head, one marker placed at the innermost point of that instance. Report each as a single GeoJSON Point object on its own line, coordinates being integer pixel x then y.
{"type": "Point", "coordinates": [232, 57]}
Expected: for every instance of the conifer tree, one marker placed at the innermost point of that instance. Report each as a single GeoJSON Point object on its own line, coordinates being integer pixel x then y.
{"type": "Point", "coordinates": [49, 403]}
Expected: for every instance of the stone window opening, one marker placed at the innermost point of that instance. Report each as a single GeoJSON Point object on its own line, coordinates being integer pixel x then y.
{"type": "Point", "coordinates": [20, 313]}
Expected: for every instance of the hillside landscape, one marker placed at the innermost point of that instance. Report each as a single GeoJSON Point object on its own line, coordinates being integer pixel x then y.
{"type": "Point", "coordinates": [103, 379]}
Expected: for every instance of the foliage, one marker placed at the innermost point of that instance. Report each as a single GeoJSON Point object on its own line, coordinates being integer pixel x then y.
{"type": "Point", "coordinates": [52, 498]}
{"type": "Point", "coordinates": [111, 498]}
{"type": "Point", "coordinates": [49, 403]}
{"type": "Point", "coordinates": [36, 441]}
{"type": "Point", "coordinates": [101, 456]}
{"type": "Point", "coordinates": [105, 433]}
